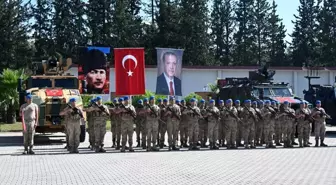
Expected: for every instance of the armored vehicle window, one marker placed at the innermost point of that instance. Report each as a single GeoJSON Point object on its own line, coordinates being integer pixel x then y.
{"type": "Point", "coordinates": [40, 83]}
{"type": "Point", "coordinates": [267, 92]}
{"type": "Point", "coordinates": [69, 83]}
{"type": "Point", "coordinates": [281, 92]}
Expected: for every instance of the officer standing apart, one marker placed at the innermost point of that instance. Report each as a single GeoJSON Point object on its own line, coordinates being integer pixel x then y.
{"type": "Point", "coordinates": [73, 118]}
{"type": "Point", "coordinates": [30, 115]}
{"type": "Point", "coordinates": [319, 115]}
{"type": "Point", "coordinates": [153, 115]}
{"type": "Point", "coordinates": [213, 121]}
{"type": "Point", "coordinates": [100, 115]}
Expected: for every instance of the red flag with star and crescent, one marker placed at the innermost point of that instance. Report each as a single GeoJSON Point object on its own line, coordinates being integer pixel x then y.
{"type": "Point", "coordinates": [129, 71]}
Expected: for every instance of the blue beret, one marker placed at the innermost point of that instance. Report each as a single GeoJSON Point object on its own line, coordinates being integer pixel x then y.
{"type": "Point", "coordinates": [115, 100]}
{"type": "Point", "coordinates": [212, 101]}
{"type": "Point", "coordinates": [165, 100]}
{"type": "Point", "coordinates": [237, 101]}
{"type": "Point", "coordinates": [267, 102]}
{"type": "Point", "coordinates": [93, 100]}
{"type": "Point", "coordinates": [273, 102]}
{"type": "Point", "coordinates": [182, 101]}
{"type": "Point", "coordinates": [192, 100]}
{"type": "Point", "coordinates": [139, 101]}
{"type": "Point", "coordinates": [261, 102]}
{"type": "Point", "coordinates": [306, 103]}
{"type": "Point", "coordinates": [177, 101]}
{"type": "Point", "coordinates": [126, 98]}
{"type": "Point", "coordinates": [202, 101]}
{"type": "Point", "coordinates": [286, 102]}
{"type": "Point", "coordinates": [247, 101]}
{"type": "Point", "coordinates": [159, 100]}
{"type": "Point", "coordinates": [151, 98]}
{"type": "Point", "coordinates": [318, 102]}
{"type": "Point", "coordinates": [229, 101]}
{"type": "Point", "coordinates": [29, 96]}
{"type": "Point", "coordinates": [121, 99]}
{"type": "Point", "coordinates": [98, 98]}
{"type": "Point", "coordinates": [171, 98]}
{"type": "Point", "coordinates": [254, 102]}
{"type": "Point", "coordinates": [72, 100]}
{"type": "Point", "coordinates": [145, 100]}
{"type": "Point", "coordinates": [302, 103]}
{"type": "Point", "coordinates": [221, 101]}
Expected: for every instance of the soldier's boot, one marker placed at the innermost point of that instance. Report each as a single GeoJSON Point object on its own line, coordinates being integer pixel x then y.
{"type": "Point", "coordinates": [97, 149]}
{"type": "Point", "coordinates": [144, 145]}
{"type": "Point", "coordinates": [290, 145]}
{"type": "Point", "coordinates": [66, 147]}
{"type": "Point", "coordinates": [309, 143]}
{"type": "Point", "coordinates": [234, 146]}
{"type": "Point", "coordinates": [131, 149]}
{"type": "Point", "coordinates": [170, 148]}
{"type": "Point", "coordinates": [182, 143]}
{"type": "Point", "coordinates": [278, 143]}
{"type": "Point", "coordinates": [89, 146]}
{"type": "Point", "coordinates": [76, 150]}
{"type": "Point", "coordinates": [102, 148]}
{"type": "Point", "coordinates": [138, 141]}
{"type": "Point", "coordinates": [195, 147]}
{"type": "Point", "coordinates": [118, 145]}
{"type": "Point", "coordinates": [316, 142]}
{"type": "Point", "coordinates": [123, 148]}
{"type": "Point", "coordinates": [211, 144]}
{"type": "Point", "coordinates": [305, 144]}
{"type": "Point", "coordinates": [198, 143]}
{"type": "Point", "coordinates": [215, 147]}
{"type": "Point", "coordinates": [294, 143]}
{"type": "Point", "coordinates": [247, 146]}
{"type": "Point", "coordinates": [175, 148]}
{"type": "Point", "coordinates": [272, 145]}
{"type": "Point", "coordinates": [300, 144]}
{"type": "Point", "coordinates": [190, 146]}
{"type": "Point", "coordinates": [322, 143]}
{"type": "Point", "coordinates": [31, 151]}
{"type": "Point", "coordinates": [25, 151]}
{"type": "Point", "coordinates": [161, 145]}
{"type": "Point", "coordinates": [155, 149]}
{"type": "Point", "coordinates": [185, 144]}
{"type": "Point", "coordinates": [113, 143]}
{"type": "Point", "coordinates": [203, 145]}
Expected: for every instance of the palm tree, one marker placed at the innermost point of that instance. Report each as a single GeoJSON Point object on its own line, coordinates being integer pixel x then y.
{"type": "Point", "coordinates": [9, 96]}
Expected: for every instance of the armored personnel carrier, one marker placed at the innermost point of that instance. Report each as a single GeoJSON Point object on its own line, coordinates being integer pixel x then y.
{"type": "Point", "coordinates": [51, 90]}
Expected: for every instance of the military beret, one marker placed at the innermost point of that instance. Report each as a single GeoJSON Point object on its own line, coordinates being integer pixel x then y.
{"type": "Point", "coordinates": [171, 98]}
{"type": "Point", "coordinates": [247, 101]}
{"type": "Point", "coordinates": [121, 99]}
{"type": "Point", "coordinates": [273, 102]}
{"type": "Point", "coordinates": [260, 102]}
{"type": "Point", "coordinates": [212, 101]}
{"type": "Point", "coordinates": [93, 100]}
{"type": "Point", "coordinates": [182, 101]}
{"type": "Point", "coordinates": [139, 101]}
{"type": "Point", "coordinates": [229, 101]}
{"type": "Point", "coordinates": [72, 100]}
{"type": "Point", "coordinates": [302, 103]}
{"type": "Point", "coordinates": [115, 100]}
{"type": "Point", "coordinates": [286, 102]}
{"type": "Point", "coordinates": [254, 102]}
{"type": "Point", "coordinates": [237, 101]}
{"type": "Point", "coordinates": [98, 98]}
{"type": "Point", "coordinates": [159, 100]}
{"type": "Point", "coordinates": [192, 100]}
{"type": "Point", "coordinates": [29, 96]}
{"type": "Point", "coordinates": [93, 59]}
{"type": "Point", "coordinates": [126, 98]}
{"type": "Point", "coordinates": [177, 101]}
{"type": "Point", "coordinates": [267, 102]}
{"type": "Point", "coordinates": [202, 101]}
{"type": "Point", "coordinates": [306, 103]}
{"type": "Point", "coordinates": [151, 98]}
{"type": "Point", "coordinates": [318, 102]}
{"type": "Point", "coordinates": [145, 100]}
{"type": "Point", "coordinates": [221, 101]}
{"type": "Point", "coordinates": [165, 100]}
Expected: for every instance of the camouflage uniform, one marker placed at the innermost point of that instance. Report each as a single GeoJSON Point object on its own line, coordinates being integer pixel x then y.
{"type": "Point", "coordinates": [29, 111]}
{"type": "Point", "coordinates": [127, 120]}
{"type": "Point", "coordinates": [268, 114]}
{"type": "Point", "coordinates": [221, 126]}
{"type": "Point", "coordinates": [248, 126]}
{"type": "Point", "coordinates": [193, 126]}
{"type": "Point", "coordinates": [213, 122]}
{"type": "Point", "coordinates": [173, 125]}
{"type": "Point", "coordinates": [91, 129]}
{"type": "Point", "coordinates": [73, 122]}
{"type": "Point", "coordinates": [287, 126]}
{"type": "Point", "coordinates": [99, 126]}
{"type": "Point", "coordinates": [163, 124]}
{"type": "Point", "coordinates": [278, 125]}
{"type": "Point", "coordinates": [152, 126]}
{"type": "Point", "coordinates": [319, 115]}
{"type": "Point", "coordinates": [239, 124]}
{"type": "Point", "coordinates": [141, 128]}
{"type": "Point", "coordinates": [118, 121]}
{"type": "Point", "coordinates": [183, 127]}
{"type": "Point", "coordinates": [230, 115]}
{"type": "Point", "coordinates": [203, 127]}
{"type": "Point", "coordinates": [259, 124]}
{"type": "Point", "coordinates": [303, 126]}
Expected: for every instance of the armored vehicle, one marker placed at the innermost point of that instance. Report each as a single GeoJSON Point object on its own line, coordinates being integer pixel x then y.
{"type": "Point", "coordinates": [51, 91]}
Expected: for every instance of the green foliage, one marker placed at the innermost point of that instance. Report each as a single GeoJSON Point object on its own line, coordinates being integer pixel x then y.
{"type": "Point", "coordinates": [192, 95]}
{"type": "Point", "coordinates": [86, 99]}
{"type": "Point", "coordinates": [148, 94]}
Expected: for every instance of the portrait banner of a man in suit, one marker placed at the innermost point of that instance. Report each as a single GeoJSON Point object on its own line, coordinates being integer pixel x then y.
{"type": "Point", "coordinates": [169, 64]}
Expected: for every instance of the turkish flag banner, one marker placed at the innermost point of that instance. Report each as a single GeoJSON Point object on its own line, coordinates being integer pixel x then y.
{"type": "Point", "coordinates": [129, 71]}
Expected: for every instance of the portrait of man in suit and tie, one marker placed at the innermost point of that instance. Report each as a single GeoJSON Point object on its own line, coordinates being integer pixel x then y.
{"type": "Point", "coordinates": [169, 72]}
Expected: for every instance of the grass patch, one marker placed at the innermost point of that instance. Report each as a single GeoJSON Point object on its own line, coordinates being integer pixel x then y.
{"type": "Point", "coordinates": [13, 127]}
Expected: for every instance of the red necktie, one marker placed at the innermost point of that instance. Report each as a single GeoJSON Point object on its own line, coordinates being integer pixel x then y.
{"type": "Point", "coordinates": [171, 90]}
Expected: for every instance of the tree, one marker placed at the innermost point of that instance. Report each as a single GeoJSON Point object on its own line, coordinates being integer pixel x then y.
{"type": "Point", "coordinates": [304, 46]}
{"type": "Point", "coordinates": [277, 33]}
{"type": "Point", "coordinates": [245, 52]}
{"type": "Point", "coordinates": [222, 28]}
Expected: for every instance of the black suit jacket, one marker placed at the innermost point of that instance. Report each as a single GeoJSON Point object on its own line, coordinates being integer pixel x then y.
{"type": "Point", "coordinates": [162, 86]}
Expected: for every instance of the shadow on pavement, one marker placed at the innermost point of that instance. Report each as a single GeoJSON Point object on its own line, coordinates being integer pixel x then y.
{"type": "Point", "coordinates": [38, 140]}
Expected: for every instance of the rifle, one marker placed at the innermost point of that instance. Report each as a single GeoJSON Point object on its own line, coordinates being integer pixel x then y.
{"type": "Point", "coordinates": [258, 114]}
{"type": "Point", "coordinates": [151, 109]}
{"type": "Point", "coordinates": [101, 108]}
{"type": "Point", "coordinates": [232, 114]}
{"type": "Point", "coordinates": [129, 111]}
{"type": "Point", "coordinates": [212, 112]}
{"type": "Point", "coordinates": [251, 113]}
{"type": "Point", "coordinates": [75, 111]}
{"type": "Point", "coordinates": [196, 113]}
{"type": "Point", "coordinates": [290, 114]}
{"type": "Point", "coordinates": [174, 113]}
{"type": "Point", "coordinates": [272, 111]}
{"type": "Point", "coordinates": [323, 113]}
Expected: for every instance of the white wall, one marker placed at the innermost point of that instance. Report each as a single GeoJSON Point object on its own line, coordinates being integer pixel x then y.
{"type": "Point", "coordinates": [195, 79]}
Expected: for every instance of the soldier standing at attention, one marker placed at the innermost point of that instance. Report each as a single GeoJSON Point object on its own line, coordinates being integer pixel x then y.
{"type": "Point", "coordinates": [100, 115]}
{"type": "Point", "coordinates": [249, 118]}
{"type": "Point", "coordinates": [239, 124]}
{"type": "Point", "coordinates": [153, 115]}
{"type": "Point", "coordinates": [294, 124]}
{"type": "Point", "coordinates": [303, 124]}
{"type": "Point", "coordinates": [307, 135]}
{"type": "Point", "coordinates": [30, 115]}
{"type": "Point", "coordinates": [183, 125]}
{"type": "Point", "coordinates": [73, 116]}
{"type": "Point", "coordinates": [173, 119]}
{"type": "Point", "coordinates": [268, 115]}
{"type": "Point", "coordinates": [213, 116]}
{"type": "Point", "coordinates": [278, 124]}
{"type": "Point", "coordinates": [221, 125]}
{"type": "Point", "coordinates": [113, 123]}
{"type": "Point", "coordinates": [158, 134]}
{"type": "Point", "coordinates": [163, 122]}
{"type": "Point", "coordinates": [128, 114]}
{"type": "Point", "coordinates": [285, 116]}
{"type": "Point", "coordinates": [117, 118]}
{"type": "Point", "coordinates": [140, 123]}
{"type": "Point", "coordinates": [194, 115]}
{"type": "Point", "coordinates": [91, 126]}
{"type": "Point", "coordinates": [203, 125]}
{"type": "Point", "coordinates": [259, 123]}
{"type": "Point", "coordinates": [319, 115]}
{"type": "Point", "coordinates": [231, 120]}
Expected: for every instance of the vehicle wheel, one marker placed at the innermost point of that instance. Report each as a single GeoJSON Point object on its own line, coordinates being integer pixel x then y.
{"type": "Point", "coordinates": [82, 133]}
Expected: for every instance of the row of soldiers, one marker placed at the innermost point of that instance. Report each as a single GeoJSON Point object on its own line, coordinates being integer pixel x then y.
{"type": "Point", "coordinates": [256, 123]}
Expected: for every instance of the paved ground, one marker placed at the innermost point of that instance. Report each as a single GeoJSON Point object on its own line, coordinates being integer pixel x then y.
{"type": "Point", "coordinates": [53, 165]}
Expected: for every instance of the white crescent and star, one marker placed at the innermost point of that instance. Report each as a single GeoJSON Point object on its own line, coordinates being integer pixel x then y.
{"type": "Point", "coordinates": [129, 57]}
